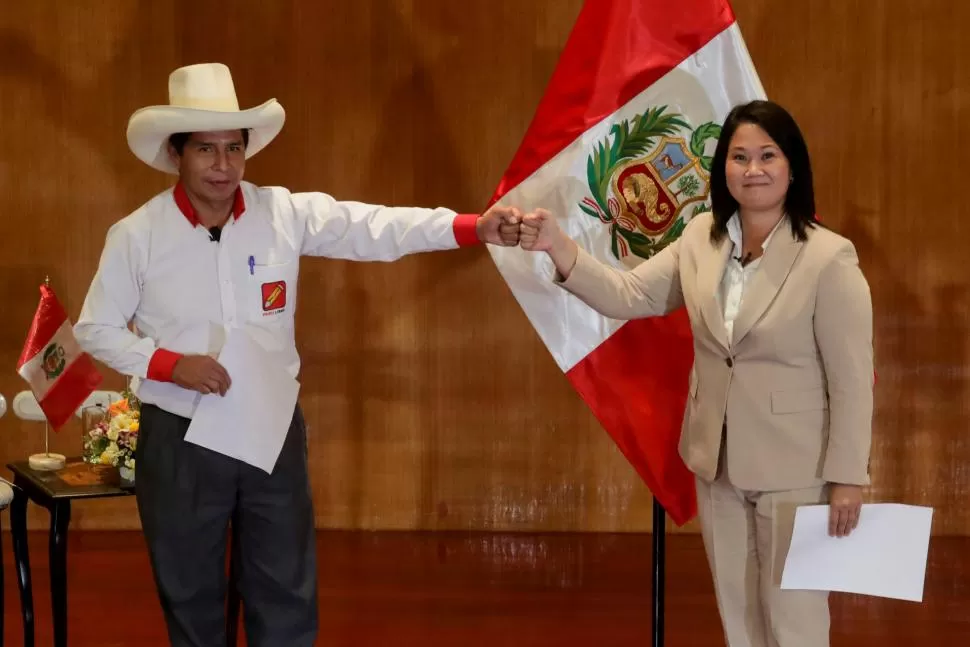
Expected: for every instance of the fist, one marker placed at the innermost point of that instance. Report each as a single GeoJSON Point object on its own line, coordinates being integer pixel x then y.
{"type": "Point", "coordinates": [201, 373]}
{"type": "Point", "coordinates": [539, 231]}
{"type": "Point", "coordinates": [500, 226]}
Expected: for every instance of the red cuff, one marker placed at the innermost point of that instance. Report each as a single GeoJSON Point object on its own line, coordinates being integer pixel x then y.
{"type": "Point", "coordinates": [161, 365]}
{"type": "Point", "coordinates": [466, 230]}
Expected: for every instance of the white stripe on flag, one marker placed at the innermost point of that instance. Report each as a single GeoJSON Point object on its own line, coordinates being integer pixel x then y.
{"type": "Point", "coordinates": [703, 88]}
{"type": "Point", "coordinates": [44, 369]}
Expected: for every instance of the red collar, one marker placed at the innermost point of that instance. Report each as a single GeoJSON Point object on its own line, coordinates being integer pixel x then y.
{"type": "Point", "coordinates": [185, 205]}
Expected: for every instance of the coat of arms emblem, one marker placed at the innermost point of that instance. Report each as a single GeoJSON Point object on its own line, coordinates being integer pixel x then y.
{"type": "Point", "coordinates": [646, 177]}
{"type": "Point", "coordinates": [54, 360]}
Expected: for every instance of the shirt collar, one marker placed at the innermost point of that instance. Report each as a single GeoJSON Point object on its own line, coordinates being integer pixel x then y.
{"type": "Point", "coordinates": [185, 205]}
{"type": "Point", "coordinates": [734, 232]}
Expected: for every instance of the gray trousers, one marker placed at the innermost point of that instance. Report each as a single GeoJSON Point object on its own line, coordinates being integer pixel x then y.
{"type": "Point", "coordinates": [187, 497]}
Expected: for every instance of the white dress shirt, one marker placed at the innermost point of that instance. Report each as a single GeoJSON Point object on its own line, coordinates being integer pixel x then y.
{"type": "Point", "coordinates": [182, 292]}
{"type": "Point", "coordinates": [737, 277]}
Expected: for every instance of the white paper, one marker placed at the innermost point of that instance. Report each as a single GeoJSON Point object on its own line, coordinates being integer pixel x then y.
{"type": "Point", "coordinates": [884, 556]}
{"type": "Point", "coordinates": [251, 421]}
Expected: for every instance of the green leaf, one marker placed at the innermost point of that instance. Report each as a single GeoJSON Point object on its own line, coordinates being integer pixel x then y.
{"type": "Point", "coordinates": [636, 237]}
{"type": "Point", "coordinates": [650, 125]}
{"type": "Point", "coordinates": [589, 211]}
{"type": "Point", "coordinates": [699, 138]}
{"type": "Point", "coordinates": [639, 244]}
{"type": "Point", "coordinates": [673, 233]}
{"type": "Point", "coordinates": [615, 246]}
{"type": "Point", "coordinates": [99, 445]}
{"type": "Point", "coordinates": [592, 177]}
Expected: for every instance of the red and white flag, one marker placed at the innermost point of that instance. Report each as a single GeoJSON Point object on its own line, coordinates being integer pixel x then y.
{"type": "Point", "coordinates": [620, 152]}
{"type": "Point", "coordinates": [60, 374]}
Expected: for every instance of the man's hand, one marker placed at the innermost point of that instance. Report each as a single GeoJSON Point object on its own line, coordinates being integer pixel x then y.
{"type": "Point", "coordinates": [201, 373]}
{"type": "Point", "coordinates": [499, 226]}
{"type": "Point", "coordinates": [845, 505]}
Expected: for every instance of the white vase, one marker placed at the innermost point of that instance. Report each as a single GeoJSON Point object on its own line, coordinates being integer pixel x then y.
{"type": "Point", "coordinates": [127, 476]}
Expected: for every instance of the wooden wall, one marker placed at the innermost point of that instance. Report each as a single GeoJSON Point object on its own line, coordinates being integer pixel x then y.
{"type": "Point", "coordinates": [430, 401]}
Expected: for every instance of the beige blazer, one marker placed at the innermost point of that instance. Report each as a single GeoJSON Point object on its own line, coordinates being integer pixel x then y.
{"type": "Point", "coordinates": [795, 383]}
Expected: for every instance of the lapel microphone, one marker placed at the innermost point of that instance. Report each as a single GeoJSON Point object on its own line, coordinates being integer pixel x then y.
{"type": "Point", "coordinates": [744, 261]}
{"type": "Point", "coordinates": [215, 233]}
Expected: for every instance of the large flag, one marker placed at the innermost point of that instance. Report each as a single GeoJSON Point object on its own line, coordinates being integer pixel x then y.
{"type": "Point", "coordinates": [620, 152]}
{"type": "Point", "coordinates": [60, 374]}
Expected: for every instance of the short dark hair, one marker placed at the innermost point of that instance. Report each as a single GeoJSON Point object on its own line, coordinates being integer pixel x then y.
{"type": "Point", "coordinates": [178, 140]}
{"type": "Point", "coordinates": [781, 127]}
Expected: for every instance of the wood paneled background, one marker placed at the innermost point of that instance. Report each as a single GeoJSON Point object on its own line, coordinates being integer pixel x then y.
{"type": "Point", "coordinates": [430, 401]}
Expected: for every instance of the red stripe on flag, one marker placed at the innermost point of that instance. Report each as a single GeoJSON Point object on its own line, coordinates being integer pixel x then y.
{"type": "Point", "coordinates": [617, 49]}
{"type": "Point", "coordinates": [70, 391]}
{"type": "Point", "coordinates": [635, 383]}
{"type": "Point", "coordinates": [48, 318]}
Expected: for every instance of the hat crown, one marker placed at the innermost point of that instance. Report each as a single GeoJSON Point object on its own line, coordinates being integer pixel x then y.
{"type": "Point", "coordinates": [204, 86]}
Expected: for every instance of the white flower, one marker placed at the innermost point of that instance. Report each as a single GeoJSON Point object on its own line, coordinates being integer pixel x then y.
{"type": "Point", "coordinates": [113, 434]}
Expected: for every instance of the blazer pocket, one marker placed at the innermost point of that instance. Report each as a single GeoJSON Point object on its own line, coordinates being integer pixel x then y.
{"type": "Point", "coordinates": [798, 400]}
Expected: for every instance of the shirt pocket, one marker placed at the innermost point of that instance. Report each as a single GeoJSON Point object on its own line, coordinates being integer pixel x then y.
{"type": "Point", "coordinates": [271, 294]}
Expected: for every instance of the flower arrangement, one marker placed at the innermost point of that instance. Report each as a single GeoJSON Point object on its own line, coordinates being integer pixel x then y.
{"type": "Point", "coordinates": [112, 440]}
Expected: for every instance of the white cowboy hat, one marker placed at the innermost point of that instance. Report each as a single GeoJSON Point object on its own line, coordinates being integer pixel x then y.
{"type": "Point", "coordinates": [201, 98]}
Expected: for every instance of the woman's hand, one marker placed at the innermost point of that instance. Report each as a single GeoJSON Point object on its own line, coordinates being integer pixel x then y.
{"type": "Point", "coordinates": [845, 504]}
{"type": "Point", "coordinates": [541, 233]}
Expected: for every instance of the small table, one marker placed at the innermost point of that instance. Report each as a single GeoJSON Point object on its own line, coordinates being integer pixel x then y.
{"type": "Point", "coordinates": [54, 491]}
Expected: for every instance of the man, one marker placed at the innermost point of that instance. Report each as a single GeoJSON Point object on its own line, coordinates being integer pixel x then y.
{"type": "Point", "coordinates": [212, 255]}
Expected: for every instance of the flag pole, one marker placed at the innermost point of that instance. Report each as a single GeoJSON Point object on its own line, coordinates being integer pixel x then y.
{"type": "Point", "coordinates": [46, 462]}
{"type": "Point", "coordinates": [659, 557]}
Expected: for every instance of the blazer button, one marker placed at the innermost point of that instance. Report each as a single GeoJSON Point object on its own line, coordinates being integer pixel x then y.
{"type": "Point", "coordinates": [729, 362]}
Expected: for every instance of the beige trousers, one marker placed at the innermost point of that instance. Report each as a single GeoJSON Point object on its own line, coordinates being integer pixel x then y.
{"type": "Point", "coordinates": [746, 536]}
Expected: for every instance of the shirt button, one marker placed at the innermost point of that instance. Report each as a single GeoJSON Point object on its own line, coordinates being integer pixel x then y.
{"type": "Point", "coordinates": [729, 362]}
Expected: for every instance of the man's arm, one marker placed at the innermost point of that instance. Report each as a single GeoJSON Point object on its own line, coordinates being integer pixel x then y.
{"type": "Point", "coordinates": [365, 232]}
{"type": "Point", "coordinates": [102, 329]}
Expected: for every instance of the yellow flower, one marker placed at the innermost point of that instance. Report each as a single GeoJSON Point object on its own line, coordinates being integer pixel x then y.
{"type": "Point", "coordinates": [133, 426]}
{"type": "Point", "coordinates": [110, 455]}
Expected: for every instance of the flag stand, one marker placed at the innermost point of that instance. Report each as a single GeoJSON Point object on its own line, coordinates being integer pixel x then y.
{"type": "Point", "coordinates": [659, 557]}
{"type": "Point", "coordinates": [47, 462]}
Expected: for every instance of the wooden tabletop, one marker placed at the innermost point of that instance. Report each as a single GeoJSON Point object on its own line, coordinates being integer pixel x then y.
{"type": "Point", "coordinates": [76, 480]}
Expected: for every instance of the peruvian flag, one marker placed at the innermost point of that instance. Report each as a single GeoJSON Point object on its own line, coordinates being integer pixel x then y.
{"type": "Point", "coordinates": [60, 374]}
{"type": "Point", "coordinates": [620, 152]}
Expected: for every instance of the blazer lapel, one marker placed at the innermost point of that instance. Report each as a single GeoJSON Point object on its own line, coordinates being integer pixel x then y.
{"type": "Point", "coordinates": [776, 263]}
{"type": "Point", "coordinates": [709, 272]}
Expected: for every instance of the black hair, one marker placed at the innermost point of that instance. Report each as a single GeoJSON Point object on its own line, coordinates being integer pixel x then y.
{"type": "Point", "coordinates": [178, 140]}
{"type": "Point", "coordinates": [781, 127]}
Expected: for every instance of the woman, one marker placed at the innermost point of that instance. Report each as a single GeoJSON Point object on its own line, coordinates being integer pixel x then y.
{"type": "Point", "coordinates": [780, 405]}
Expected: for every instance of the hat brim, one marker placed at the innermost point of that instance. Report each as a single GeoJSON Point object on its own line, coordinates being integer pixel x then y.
{"type": "Point", "coordinates": [150, 128]}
